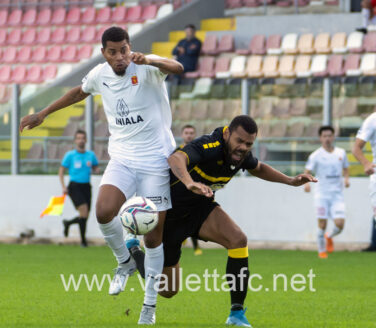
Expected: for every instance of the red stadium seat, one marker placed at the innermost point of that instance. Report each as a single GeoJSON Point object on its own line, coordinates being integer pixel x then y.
{"type": "Point", "coordinates": [5, 72]}
{"type": "Point", "coordinates": [1, 54]}
{"type": "Point", "coordinates": [58, 17]}
{"type": "Point", "coordinates": [29, 36]}
{"type": "Point", "coordinates": [284, 3]}
{"type": "Point", "coordinates": [3, 37]}
{"type": "Point", "coordinates": [100, 32]}
{"type": "Point", "coordinates": [69, 54]}
{"type": "Point", "coordinates": [232, 4]}
{"type": "Point", "coordinates": [88, 17]}
{"type": "Point", "coordinates": [273, 42]}
{"type": "Point", "coordinates": [15, 18]}
{"type": "Point", "coordinates": [226, 44]}
{"type": "Point", "coordinates": [88, 35]}
{"type": "Point", "coordinates": [39, 54]}
{"type": "Point", "coordinates": [49, 72]}
{"type": "Point", "coordinates": [74, 16]}
{"type": "Point", "coordinates": [149, 12]}
{"type": "Point", "coordinates": [44, 17]}
{"type": "Point", "coordinates": [252, 3]}
{"type": "Point", "coordinates": [369, 42]}
{"type": "Point", "coordinates": [30, 17]}
{"type": "Point", "coordinates": [10, 55]}
{"type": "Point", "coordinates": [118, 15]}
{"type": "Point", "coordinates": [352, 63]}
{"type": "Point", "coordinates": [176, 4]}
{"type": "Point", "coordinates": [3, 17]}
{"type": "Point", "coordinates": [209, 47]}
{"type": "Point", "coordinates": [4, 94]}
{"type": "Point", "coordinates": [205, 68]}
{"type": "Point", "coordinates": [335, 65]}
{"type": "Point", "coordinates": [85, 52]}
{"type": "Point", "coordinates": [74, 34]}
{"type": "Point", "coordinates": [44, 36]}
{"type": "Point", "coordinates": [104, 15]}
{"type": "Point", "coordinates": [256, 46]}
{"type": "Point", "coordinates": [134, 14]}
{"type": "Point", "coordinates": [34, 75]}
{"type": "Point", "coordinates": [58, 36]}
{"type": "Point", "coordinates": [54, 54]}
{"type": "Point", "coordinates": [19, 74]}
{"type": "Point", "coordinates": [24, 55]}
{"type": "Point", "coordinates": [14, 37]}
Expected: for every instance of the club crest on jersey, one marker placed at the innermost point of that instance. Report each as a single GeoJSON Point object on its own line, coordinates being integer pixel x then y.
{"type": "Point", "coordinates": [134, 80]}
{"type": "Point", "coordinates": [122, 108]}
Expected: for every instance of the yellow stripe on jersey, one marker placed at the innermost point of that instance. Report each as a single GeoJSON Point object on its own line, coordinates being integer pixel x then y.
{"type": "Point", "coordinates": [208, 177]}
{"type": "Point", "coordinates": [224, 129]}
{"type": "Point", "coordinates": [184, 154]}
{"type": "Point", "coordinates": [238, 253]}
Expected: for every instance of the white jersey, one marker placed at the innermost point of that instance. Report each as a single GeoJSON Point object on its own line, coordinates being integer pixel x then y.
{"type": "Point", "coordinates": [138, 113]}
{"type": "Point", "coordinates": [367, 132]}
{"type": "Point", "coordinates": [328, 168]}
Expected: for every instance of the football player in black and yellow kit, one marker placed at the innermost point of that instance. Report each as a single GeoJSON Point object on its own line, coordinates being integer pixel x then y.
{"type": "Point", "coordinates": [199, 169]}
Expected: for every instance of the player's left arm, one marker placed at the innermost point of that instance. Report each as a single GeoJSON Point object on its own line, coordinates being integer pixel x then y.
{"type": "Point", "coordinates": [266, 172]}
{"type": "Point", "coordinates": [165, 65]}
{"type": "Point", "coordinates": [346, 175]}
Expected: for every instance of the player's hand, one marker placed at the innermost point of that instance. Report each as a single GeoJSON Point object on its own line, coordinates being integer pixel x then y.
{"type": "Point", "coordinates": [307, 187]}
{"type": "Point", "coordinates": [369, 168]}
{"type": "Point", "coordinates": [139, 58]}
{"type": "Point", "coordinates": [302, 179]}
{"type": "Point", "coordinates": [65, 190]}
{"type": "Point", "coordinates": [200, 189]}
{"type": "Point", "coordinates": [181, 50]}
{"type": "Point", "coordinates": [31, 121]}
{"type": "Point", "coordinates": [347, 183]}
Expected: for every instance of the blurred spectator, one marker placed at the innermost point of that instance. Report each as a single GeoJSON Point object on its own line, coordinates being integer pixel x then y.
{"type": "Point", "coordinates": [368, 14]}
{"type": "Point", "coordinates": [188, 50]}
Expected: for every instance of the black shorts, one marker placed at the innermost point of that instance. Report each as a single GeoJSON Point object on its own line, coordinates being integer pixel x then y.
{"type": "Point", "coordinates": [80, 193]}
{"type": "Point", "coordinates": [180, 224]}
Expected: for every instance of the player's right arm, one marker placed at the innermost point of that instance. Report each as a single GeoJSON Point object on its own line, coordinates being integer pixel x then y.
{"type": "Point", "coordinates": [307, 186]}
{"type": "Point", "coordinates": [73, 96]}
{"type": "Point", "coordinates": [359, 155]}
{"type": "Point", "coordinates": [178, 162]}
{"type": "Point", "coordinates": [61, 178]}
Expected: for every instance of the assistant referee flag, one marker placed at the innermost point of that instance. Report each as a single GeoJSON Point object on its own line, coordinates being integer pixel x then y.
{"type": "Point", "coordinates": [55, 206]}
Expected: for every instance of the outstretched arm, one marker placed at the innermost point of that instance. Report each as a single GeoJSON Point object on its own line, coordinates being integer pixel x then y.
{"type": "Point", "coordinates": [166, 66]}
{"type": "Point", "coordinates": [359, 155]}
{"type": "Point", "coordinates": [178, 163]}
{"type": "Point", "coordinates": [307, 186]}
{"type": "Point", "coordinates": [266, 172]}
{"type": "Point", "coordinates": [73, 96]}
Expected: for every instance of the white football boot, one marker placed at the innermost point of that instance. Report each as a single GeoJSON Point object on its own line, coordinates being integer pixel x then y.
{"type": "Point", "coordinates": [147, 315]}
{"type": "Point", "coordinates": [123, 271]}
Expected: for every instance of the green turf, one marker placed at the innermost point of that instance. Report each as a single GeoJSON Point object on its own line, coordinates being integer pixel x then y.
{"type": "Point", "coordinates": [32, 294]}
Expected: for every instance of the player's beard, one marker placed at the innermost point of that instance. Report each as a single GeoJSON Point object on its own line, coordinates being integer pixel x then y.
{"type": "Point", "coordinates": [228, 154]}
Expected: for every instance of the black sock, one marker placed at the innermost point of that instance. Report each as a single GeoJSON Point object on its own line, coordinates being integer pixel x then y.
{"type": "Point", "coordinates": [82, 223]}
{"type": "Point", "coordinates": [195, 243]}
{"type": "Point", "coordinates": [373, 239]}
{"type": "Point", "coordinates": [139, 257]}
{"type": "Point", "coordinates": [238, 267]}
{"type": "Point", "coordinates": [74, 220]}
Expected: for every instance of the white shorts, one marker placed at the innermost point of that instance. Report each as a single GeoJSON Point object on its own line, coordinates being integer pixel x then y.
{"type": "Point", "coordinates": [332, 207]}
{"type": "Point", "coordinates": [154, 185]}
{"type": "Point", "coordinates": [372, 191]}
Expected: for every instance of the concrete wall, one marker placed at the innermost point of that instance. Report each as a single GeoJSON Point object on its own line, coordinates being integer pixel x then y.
{"type": "Point", "coordinates": [266, 211]}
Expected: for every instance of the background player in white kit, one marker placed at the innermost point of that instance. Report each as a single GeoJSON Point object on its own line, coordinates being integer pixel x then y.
{"type": "Point", "coordinates": [367, 132]}
{"type": "Point", "coordinates": [137, 108]}
{"type": "Point", "coordinates": [328, 163]}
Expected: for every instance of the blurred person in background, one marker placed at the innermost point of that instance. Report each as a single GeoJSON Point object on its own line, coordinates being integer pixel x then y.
{"type": "Point", "coordinates": [368, 15]}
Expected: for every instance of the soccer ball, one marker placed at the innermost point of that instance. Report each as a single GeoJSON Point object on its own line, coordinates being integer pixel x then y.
{"type": "Point", "coordinates": [139, 215]}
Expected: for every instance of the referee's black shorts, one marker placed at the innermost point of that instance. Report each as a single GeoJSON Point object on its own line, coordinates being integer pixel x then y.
{"type": "Point", "coordinates": [182, 223]}
{"type": "Point", "coordinates": [80, 193]}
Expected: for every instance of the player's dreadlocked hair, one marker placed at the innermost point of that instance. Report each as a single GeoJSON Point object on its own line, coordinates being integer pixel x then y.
{"type": "Point", "coordinates": [114, 34]}
{"type": "Point", "coordinates": [246, 122]}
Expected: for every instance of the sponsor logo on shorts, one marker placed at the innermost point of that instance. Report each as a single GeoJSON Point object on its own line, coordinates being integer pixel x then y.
{"type": "Point", "coordinates": [155, 199]}
{"type": "Point", "coordinates": [165, 200]}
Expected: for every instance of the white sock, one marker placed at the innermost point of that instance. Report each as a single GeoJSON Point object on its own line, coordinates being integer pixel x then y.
{"type": "Point", "coordinates": [335, 232]}
{"type": "Point", "coordinates": [154, 258]}
{"type": "Point", "coordinates": [321, 240]}
{"type": "Point", "coordinates": [113, 235]}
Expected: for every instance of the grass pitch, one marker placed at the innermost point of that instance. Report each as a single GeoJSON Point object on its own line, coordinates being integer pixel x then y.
{"type": "Point", "coordinates": [32, 293]}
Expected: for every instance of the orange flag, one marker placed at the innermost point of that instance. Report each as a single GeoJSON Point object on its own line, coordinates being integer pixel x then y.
{"type": "Point", "coordinates": [55, 206]}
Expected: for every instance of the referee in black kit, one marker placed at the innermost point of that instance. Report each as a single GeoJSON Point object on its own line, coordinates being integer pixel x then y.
{"type": "Point", "coordinates": [80, 164]}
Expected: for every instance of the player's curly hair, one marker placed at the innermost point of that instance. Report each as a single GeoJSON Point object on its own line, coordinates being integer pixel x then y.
{"type": "Point", "coordinates": [325, 128]}
{"type": "Point", "coordinates": [246, 122]}
{"type": "Point", "coordinates": [114, 34]}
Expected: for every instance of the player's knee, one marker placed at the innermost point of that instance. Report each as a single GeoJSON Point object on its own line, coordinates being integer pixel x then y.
{"type": "Point", "coordinates": [239, 240]}
{"type": "Point", "coordinates": [104, 212]}
{"type": "Point", "coordinates": [168, 293]}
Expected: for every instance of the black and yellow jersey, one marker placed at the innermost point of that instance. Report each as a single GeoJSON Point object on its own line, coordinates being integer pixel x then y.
{"type": "Point", "coordinates": [207, 164]}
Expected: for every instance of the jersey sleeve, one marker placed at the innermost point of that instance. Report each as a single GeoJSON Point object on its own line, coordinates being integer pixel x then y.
{"type": "Point", "coordinates": [367, 129]}
{"type": "Point", "coordinates": [66, 160]}
{"type": "Point", "coordinates": [311, 163]}
{"type": "Point", "coordinates": [153, 72]}
{"type": "Point", "coordinates": [250, 163]}
{"type": "Point", "coordinates": [90, 81]}
{"type": "Point", "coordinates": [200, 150]}
{"type": "Point", "coordinates": [94, 159]}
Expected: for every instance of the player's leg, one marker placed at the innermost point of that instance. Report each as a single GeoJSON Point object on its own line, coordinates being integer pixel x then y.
{"type": "Point", "coordinates": [169, 285]}
{"type": "Point", "coordinates": [196, 247]}
{"type": "Point", "coordinates": [322, 212]}
{"type": "Point", "coordinates": [156, 187]}
{"type": "Point", "coordinates": [372, 246]}
{"type": "Point", "coordinates": [83, 211]}
{"type": "Point", "coordinates": [338, 213]}
{"type": "Point", "coordinates": [221, 229]}
{"type": "Point", "coordinates": [116, 186]}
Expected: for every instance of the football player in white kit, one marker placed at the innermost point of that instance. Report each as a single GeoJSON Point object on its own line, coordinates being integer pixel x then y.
{"type": "Point", "coordinates": [328, 163]}
{"type": "Point", "coordinates": [137, 108]}
{"type": "Point", "coordinates": [366, 133]}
